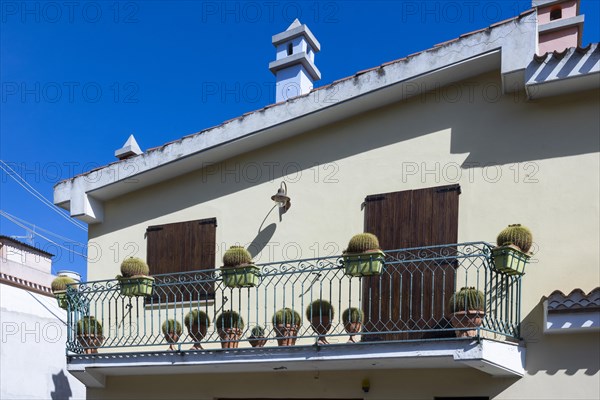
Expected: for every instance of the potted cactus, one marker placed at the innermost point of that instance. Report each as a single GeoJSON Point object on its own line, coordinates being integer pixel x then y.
{"type": "Point", "coordinates": [320, 313]}
{"type": "Point", "coordinates": [257, 337]}
{"type": "Point", "coordinates": [511, 254]}
{"type": "Point", "coordinates": [89, 334]}
{"type": "Point", "coordinates": [171, 330]}
{"type": "Point", "coordinates": [229, 327]}
{"type": "Point", "coordinates": [468, 310]}
{"type": "Point", "coordinates": [363, 257]}
{"type": "Point", "coordinates": [353, 319]}
{"type": "Point", "coordinates": [59, 289]}
{"type": "Point", "coordinates": [238, 269]}
{"type": "Point", "coordinates": [197, 323]}
{"type": "Point", "coordinates": [135, 279]}
{"type": "Point", "coordinates": [286, 323]}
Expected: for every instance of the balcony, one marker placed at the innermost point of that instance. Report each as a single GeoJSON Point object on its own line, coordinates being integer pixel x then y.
{"type": "Point", "coordinates": [406, 319]}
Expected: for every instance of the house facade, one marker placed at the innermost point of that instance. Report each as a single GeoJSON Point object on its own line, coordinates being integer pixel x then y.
{"type": "Point", "coordinates": [435, 153]}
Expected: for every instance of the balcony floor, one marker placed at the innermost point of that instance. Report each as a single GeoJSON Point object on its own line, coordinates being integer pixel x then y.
{"type": "Point", "coordinates": [492, 357]}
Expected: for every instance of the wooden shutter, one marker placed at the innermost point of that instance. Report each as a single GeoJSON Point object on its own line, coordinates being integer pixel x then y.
{"type": "Point", "coordinates": [182, 247]}
{"type": "Point", "coordinates": [411, 295]}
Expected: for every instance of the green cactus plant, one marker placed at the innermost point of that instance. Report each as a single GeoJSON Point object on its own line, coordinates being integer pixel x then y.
{"type": "Point", "coordinates": [286, 323]}
{"type": "Point", "coordinates": [134, 280]}
{"type": "Point", "coordinates": [363, 242]}
{"type": "Point", "coordinates": [517, 235]}
{"type": "Point", "coordinates": [467, 298]}
{"type": "Point", "coordinates": [229, 327]}
{"type": "Point", "coordinates": [170, 327]}
{"type": "Point", "coordinates": [89, 334]}
{"type": "Point", "coordinates": [363, 257]}
{"type": "Point", "coordinates": [229, 320]}
{"type": "Point", "coordinates": [238, 270]}
{"type": "Point", "coordinates": [235, 256]}
{"type": "Point", "coordinates": [352, 315]}
{"type": "Point", "coordinates": [320, 308]}
{"type": "Point", "coordinates": [134, 266]}
{"type": "Point", "coordinates": [60, 283]}
{"type": "Point", "coordinates": [257, 337]}
{"type": "Point", "coordinates": [196, 317]}
{"type": "Point", "coordinates": [287, 316]}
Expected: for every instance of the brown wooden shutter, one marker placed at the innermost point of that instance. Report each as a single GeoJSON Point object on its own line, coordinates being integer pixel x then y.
{"type": "Point", "coordinates": [182, 247]}
{"type": "Point", "coordinates": [411, 295]}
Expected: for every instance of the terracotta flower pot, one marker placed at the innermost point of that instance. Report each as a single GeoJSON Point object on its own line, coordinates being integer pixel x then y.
{"type": "Point", "coordinates": [467, 319]}
{"type": "Point", "coordinates": [197, 333]}
{"type": "Point", "coordinates": [230, 337]}
{"type": "Point", "coordinates": [90, 342]}
{"type": "Point", "coordinates": [172, 338]}
{"type": "Point", "coordinates": [321, 324]}
{"type": "Point", "coordinates": [286, 334]}
{"type": "Point", "coordinates": [353, 328]}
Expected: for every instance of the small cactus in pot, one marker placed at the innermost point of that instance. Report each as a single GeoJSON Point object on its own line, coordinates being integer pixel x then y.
{"type": "Point", "coordinates": [59, 289]}
{"type": "Point", "coordinates": [197, 323]}
{"type": "Point", "coordinates": [238, 269]}
{"type": "Point", "coordinates": [230, 326]}
{"type": "Point", "coordinates": [172, 331]}
{"type": "Point", "coordinates": [286, 323]}
{"type": "Point", "coordinates": [257, 337]}
{"type": "Point", "coordinates": [353, 320]}
{"type": "Point", "coordinates": [363, 257]}
{"type": "Point", "coordinates": [134, 279]}
{"type": "Point", "coordinates": [320, 313]}
{"type": "Point", "coordinates": [467, 308]}
{"type": "Point", "coordinates": [511, 254]}
{"type": "Point", "coordinates": [89, 334]}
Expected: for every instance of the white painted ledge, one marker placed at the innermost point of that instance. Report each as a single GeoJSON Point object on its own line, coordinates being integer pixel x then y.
{"type": "Point", "coordinates": [492, 357]}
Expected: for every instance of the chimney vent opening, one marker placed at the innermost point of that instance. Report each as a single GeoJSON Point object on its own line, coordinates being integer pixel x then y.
{"type": "Point", "coordinates": [290, 49]}
{"type": "Point", "coordinates": [555, 13]}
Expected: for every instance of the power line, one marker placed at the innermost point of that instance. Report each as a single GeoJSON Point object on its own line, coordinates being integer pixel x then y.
{"type": "Point", "coordinates": [36, 228]}
{"type": "Point", "coordinates": [38, 195]}
{"type": "Point", "coordinates": [14, 221]}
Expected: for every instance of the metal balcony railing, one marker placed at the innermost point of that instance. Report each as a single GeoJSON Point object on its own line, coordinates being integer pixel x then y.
{"type": "Point", "coordinates": [409, 300]}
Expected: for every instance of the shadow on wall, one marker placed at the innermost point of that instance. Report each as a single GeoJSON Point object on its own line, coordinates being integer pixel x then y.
{"type": "Point", "coordinates": [62, 388]}
{"type": "Point", "coordinates": [491, 130]}
{"type": "Point", "coordinates": [558, 353]}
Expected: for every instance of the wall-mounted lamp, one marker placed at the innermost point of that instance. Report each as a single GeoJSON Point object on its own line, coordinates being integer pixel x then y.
{"type": "Point", "coordinates": [281, 198]}
{"type": "Point", "coordinates": [366, 385]}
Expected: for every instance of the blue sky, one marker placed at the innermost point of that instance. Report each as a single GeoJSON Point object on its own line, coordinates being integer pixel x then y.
{"type": "Point", "coordinates": [79, 77]}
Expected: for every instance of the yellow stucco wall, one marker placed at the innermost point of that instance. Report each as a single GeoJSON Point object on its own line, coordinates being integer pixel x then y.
{"type": "Point", "coordinates": [535, 163]}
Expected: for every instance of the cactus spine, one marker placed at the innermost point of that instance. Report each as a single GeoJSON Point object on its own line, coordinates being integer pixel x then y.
{"type": "Point", "coordinates": [236, 255]}
{"type": "Point", "coordinates": [257, 332]}
{"type": "Point", "coordinates": [517, 235]}
{"type": "Point", "coordinates": [60, 283]}
{"type": "Point", "coordinates": [196, 317]}
{"type": "Point", "coordinates": [229, 320]}
{"type": "Point", "coordinates": [89, 325]}
{"type": "Point", "coordinates": [171, 326]}
{"type": "Point", "coordinates": [352, 315]}
{"type": "Point", "coordinates": [319, 308]}
{"type": "Point", "coordinates": [287, 316]}
{"type": "Point", "coordinates": [362, 243]}
{"type": "Point", "coordinates": [467, 298]}
{"type": "Point", "coordinates": [134, 266]}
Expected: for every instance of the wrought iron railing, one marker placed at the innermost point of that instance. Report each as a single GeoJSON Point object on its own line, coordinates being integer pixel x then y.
{"type": "Point", "coordinates": [409, 300]}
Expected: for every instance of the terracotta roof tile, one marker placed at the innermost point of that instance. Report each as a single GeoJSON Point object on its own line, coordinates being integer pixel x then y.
{"type": "Point", "coordinates": [577, 300]}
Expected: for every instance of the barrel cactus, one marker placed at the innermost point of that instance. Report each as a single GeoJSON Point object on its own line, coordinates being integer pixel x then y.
{"type": "Point", "coordinates": [229, 320]}
{"type": "Point", "coordinates": [134, 266]}
{"type": "Point", "coordinates": [89, 325]}
{"type": "Point", "coordinates": [60, 283]}
{"type": "Point", "coordinates": [363, 242]}
{"type": "Point", "coordinates": [287, 316]}
{"type": "Point", "coordinates": [257, 332]}
{"type": "Point", "coordinates": [196, 317]}
{"type": "Point", "coordinates": [236, 255]}
{"type": "Point", "coordinates": [170, 327]}
{"type": "Point", "coordinates": [467, 298]}
{"type": "Point", "coordinates": [352, 315]}
{"type": "Point", "coordinates": [517, 235]}
{"type": "Point", "coordinates": [319, 308]}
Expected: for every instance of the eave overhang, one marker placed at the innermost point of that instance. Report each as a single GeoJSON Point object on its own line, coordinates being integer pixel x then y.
{"type": "Point", "coordinates": [499, 359]}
